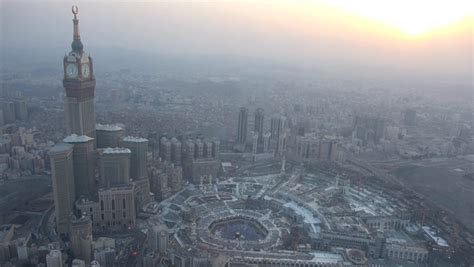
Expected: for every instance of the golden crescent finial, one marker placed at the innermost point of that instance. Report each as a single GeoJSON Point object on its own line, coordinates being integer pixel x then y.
{"type": "Point", "coordinates": [75, 10]}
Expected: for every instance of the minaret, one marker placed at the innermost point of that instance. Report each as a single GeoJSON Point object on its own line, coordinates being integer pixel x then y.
{"type": "Point", "coordinates": [79, 83]}
{"type": "Point", "coordinates": [283, 166]}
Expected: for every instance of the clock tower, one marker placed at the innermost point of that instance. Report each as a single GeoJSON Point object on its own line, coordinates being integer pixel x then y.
{"type": "Point", "coordinates": [79, 83]}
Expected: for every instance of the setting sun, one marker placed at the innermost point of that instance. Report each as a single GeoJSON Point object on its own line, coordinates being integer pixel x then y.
{"type": "Point", "coordinates": [411, 17]}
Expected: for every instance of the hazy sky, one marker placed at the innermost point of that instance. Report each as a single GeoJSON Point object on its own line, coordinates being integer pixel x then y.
{"type": "Point", "coordinates": [410, 35]}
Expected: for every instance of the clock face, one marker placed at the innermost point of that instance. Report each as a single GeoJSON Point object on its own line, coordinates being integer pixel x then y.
{"type": "Point", "coordinates": [71, 70]}
{"type": "Point", "coordinates": [86, 71]}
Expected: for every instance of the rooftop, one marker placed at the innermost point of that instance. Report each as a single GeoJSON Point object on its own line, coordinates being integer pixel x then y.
{"type": "Point", "coordinates": [135, 139]}
{"type": "Point", "coordinates": [315, 257]}
{"type": "Point", "coordinates": [74, 138]}
{"type": "Point", "coordinates": [61, 147]}
{"type": "Point", "coordinates": [116, 150]}
{"type": "Point", "coordinates": [432, 234]}
{"type": "Point", "coordinates": [325, 257]}
{"type": "Point", "coordinates": [108, 127]}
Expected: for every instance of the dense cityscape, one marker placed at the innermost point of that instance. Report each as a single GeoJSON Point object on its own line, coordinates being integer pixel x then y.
{"type": "Point", "coordinates": [117, 167]}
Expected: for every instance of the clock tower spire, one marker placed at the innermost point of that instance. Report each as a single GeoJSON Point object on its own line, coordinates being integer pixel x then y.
{"type": "Point", "coordinates": [79, 83]}
{"type": "Point", "coordinates": [76, 43]}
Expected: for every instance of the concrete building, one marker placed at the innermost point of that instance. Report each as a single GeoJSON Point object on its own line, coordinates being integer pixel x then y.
{"type": "Point", "coordinates": [7, 232]}
{"type": "Point", "coordinates": [266, 142]}
{"type": "Point", "coordinates": [23, 251]}
{"type": "Point", "coordinates": [198, 148]}
{"type": "Point", "coordinates": [407, 252]}
{"type": "Point", "coordinates": [2, 118]}
{"type": "Point", "coordinates": [176, 151]}
{"type": "Point", "coordinates": [108, 135]}
{"type": "Point", "coordinates": [278, 125]}
{"type": "Point", "coordinates": [165, 179]}
{"type": "Point", "coordinates": [138, 158]}
{"type": "Point", "coordinates": [286, 258]}
{"type": "Point", "coordinates": [327, 149]}
{"type": "Point", "coordinates": [165, 149]}
{"type": "Point", "coordinates": [282, 143]}
{"type": "Point", "coordinates": [347, 240]}
{"type": "Point", "coordinates": [114, 209]}
{"type": "Point", "coordinates": [150, 260]}
{"type": "Point", "coordinates": [204, 168]}
{"type": "Point", "coordinates": [8, 108]}
{"type": "Point", "coordinates": [368, 129]}
{"type": "Point", "coordinates": [242, 126]}
{"type": "Point", "coordinates": [254, 145]}
{"type": "Point", "coordinates": [54, 259]}
{"type": "Point", "coordinates": [21, 109]}
{"type": "Point", "coordinates": [259, 127]}
{"type": "Point", "coordinates": [15, 243]}
{"type": "Point", "coordinates": [142, 192]}
{"type": "Point", "coordinates": [200, 159]}
{"type": "Point", "coordinates": [215, 148]}
{"type": "Point", "coordinates": [384, 223]}
{"type": "Point", "coordinates": [158, 236]}
{"type": "Point", "coordinates": [81, 238]}
{"type": "Point", "coordinates": [188, 158]}
{"type": "Point", "coordinates": [114, 166]}
{"type": "Point", "coordinates": [307, 148]}
{"type": "Point", "coordinates": [159, 183]}
{"type": "Point", "coordinates": [105, 256]}
{"type": "Point", "coordinates": [188, 151]}
{"type": "Point", "coordinates": [84, 161]}
{"type": "Point", "coordinates": [118, 205]}
{"type": "Point", "coordinates": [62, 172]}
{"type": "Point", "coordinates": [207, 149]}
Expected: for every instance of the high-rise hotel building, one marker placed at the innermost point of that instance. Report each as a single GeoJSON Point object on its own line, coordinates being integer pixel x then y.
{"type": "Point", "coordinates": [79, 83]}
{"type": "Point", "coordinates": [110, 201]}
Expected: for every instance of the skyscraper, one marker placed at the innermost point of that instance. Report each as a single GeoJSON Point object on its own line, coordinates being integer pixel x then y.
{"type": "Point", "coordinates": [207, 149]}
{"type": "Point", "coordinates": [8, 108]}
{"type": "Point", "coordinates": [83, 159]}
{"type": "Point", "coordinates": [62, 171]}
{"type": "Point", "coordinates": [138, 172]}
{"type": "Point", "coordinates": [108, 135]}
{"type": "Point", "coordinates": [258, 128]}
{"type": "Point", "coordinates": [254, 145]}
{"type": "Point", "coordinates": [215, 148]}
{"type": "Point", "coordinates": [327, 149]}
{"type": "Point", "coordinates": [115, 166]}
{"type": "Point", "coordinates": [139, 148]}
{"type": "Point", "coordinates": [242, 126]}
{"type": "Point", "coordinates": [165, 149]}
{"type": "Point", "coordinates": [176, 151]}
{"type": "Point", "coordinates": [79, 83]}
{"type": "Point", "coordinates": [113, 205]}
{"type": "Point", "coordinates": [278, 126]}
{"type": "Point", "coordinates": [21, 109]}
{"type": "Point", "coordinates": [281, 147]}
{"type": "Point", "coordinates": [198, 148]}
